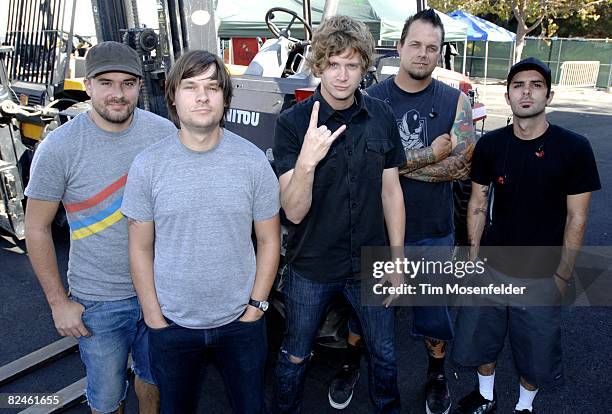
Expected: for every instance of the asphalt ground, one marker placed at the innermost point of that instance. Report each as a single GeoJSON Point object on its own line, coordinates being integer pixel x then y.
{"type": "Point", "coordinates": [26, 324]}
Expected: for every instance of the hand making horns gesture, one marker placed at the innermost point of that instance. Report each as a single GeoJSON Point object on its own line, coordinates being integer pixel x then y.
{"type": "Point", "coordinates": [318, 140]}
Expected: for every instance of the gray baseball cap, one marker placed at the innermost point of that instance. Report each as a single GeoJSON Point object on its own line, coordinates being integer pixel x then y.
{"type": "Point", "coordinates": [112, 57]}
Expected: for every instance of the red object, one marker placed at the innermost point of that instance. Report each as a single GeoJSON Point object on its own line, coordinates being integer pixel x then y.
{"type": "Point", "coordinates": [304, 93]}
{"type": "Point", "coordinates": [540, 154]}
{"type": "Point", "coordinates": [500, 180]}
{"type": "Point", "coordinates": [245, 49]}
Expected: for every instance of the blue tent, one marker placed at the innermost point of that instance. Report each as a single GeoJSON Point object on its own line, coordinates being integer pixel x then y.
{"type": "Point", "coordinates": [482, 30]}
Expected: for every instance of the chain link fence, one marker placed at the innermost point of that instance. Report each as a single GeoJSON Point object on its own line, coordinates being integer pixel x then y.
{"type": "Point", "coordinates": [553, 51]}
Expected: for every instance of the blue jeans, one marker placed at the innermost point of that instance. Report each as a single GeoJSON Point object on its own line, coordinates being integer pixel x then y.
{"type": "Point", "coordinates": [238, 348]}
{"type": "Point", "coordinates": [432, 321]}
{"type": "Point", "coordinates": [305, 305]}
{"type": "Point", "coordinates": [117, 328]}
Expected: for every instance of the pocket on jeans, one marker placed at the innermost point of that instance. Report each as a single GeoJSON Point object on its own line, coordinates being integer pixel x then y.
{"type": "Point", "coordinates": [251, 322]}
{"type": "Point", "coordinates": [89, 305]}
{"type": "Point", "coordinates": [170, 323]}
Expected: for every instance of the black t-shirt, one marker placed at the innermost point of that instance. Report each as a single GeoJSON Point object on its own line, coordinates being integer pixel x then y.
{"type": "Point", "coordinates": [346, 211]}
{"type": "Point", "coordinates": [429, 206]}
{"type": "Point", "coordinates": [531, 180]}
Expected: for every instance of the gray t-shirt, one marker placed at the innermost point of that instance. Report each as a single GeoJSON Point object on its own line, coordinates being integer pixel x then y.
{"type": "Point", "coordinates": [86, 168]}
{"type": "Point", "coordinates": [203, 205]}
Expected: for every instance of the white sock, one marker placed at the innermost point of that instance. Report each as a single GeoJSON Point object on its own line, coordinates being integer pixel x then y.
{"type": "Point", "coordinates": [485, 385]}
{"type": "Point", "coordinates": [525, 399]}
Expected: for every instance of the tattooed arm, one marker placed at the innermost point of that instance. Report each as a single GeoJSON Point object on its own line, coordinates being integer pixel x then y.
{"type": "Point", "coordinates": [439, 149]}
{"type": "Point", "coordinates": [457, 165]}
{"type": "Point", "coordinates": [477, 216]}
{"type": "Point", "coordinates": [141, 248]}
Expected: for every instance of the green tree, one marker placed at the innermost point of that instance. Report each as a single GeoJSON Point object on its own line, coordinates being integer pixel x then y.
{"type": "Point", "coordinates": [528, 14]}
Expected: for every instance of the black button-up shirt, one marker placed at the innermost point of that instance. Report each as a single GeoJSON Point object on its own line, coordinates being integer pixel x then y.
{"type": "Point", "coordinates": [346, 211]}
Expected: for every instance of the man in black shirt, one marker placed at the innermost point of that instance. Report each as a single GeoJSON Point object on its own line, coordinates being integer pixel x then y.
{"type": "Point", "coordinates": [542, 177]}
{"type": "Point", "coordinates": [434, 121]}
{"type": "Point", "coordinates": [337, 155]}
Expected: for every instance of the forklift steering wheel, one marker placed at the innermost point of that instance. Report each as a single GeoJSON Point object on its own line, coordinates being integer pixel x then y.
{"type": "Point", "coordinates": [285, 32]}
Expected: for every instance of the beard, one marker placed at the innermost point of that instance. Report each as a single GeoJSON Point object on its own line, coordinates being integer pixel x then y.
{"type": "Point", "coordinates": [115, 117]}
{"type": "Point", "coordinates": [420, 75]}
{"type": "Point", "coordinates": [528, 113]}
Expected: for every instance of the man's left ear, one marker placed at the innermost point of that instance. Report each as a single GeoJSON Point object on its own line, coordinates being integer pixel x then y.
{"type": "Point", "coordinates": [550, 97]}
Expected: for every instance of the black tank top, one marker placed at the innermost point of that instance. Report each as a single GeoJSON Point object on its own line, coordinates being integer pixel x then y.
{"type": "Point", "coordinates": [421, 117]}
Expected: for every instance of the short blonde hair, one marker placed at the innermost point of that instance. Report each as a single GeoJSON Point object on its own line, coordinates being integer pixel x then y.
{"type": "Point", "coordinates": [337, 35]}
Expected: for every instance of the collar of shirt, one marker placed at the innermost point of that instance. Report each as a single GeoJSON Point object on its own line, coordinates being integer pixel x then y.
{"type": "Point", "coordinates": [326, 111]}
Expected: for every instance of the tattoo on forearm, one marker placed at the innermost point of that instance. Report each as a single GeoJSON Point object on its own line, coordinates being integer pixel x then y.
{"type": "Point", "coordinates": [418, 158]}
{"type": "Point", "coordinates": [485, 191]}
{"type": "Point", "coordinates": [457, 166]}
{"type": "Point", "coordinates": [478, 211]}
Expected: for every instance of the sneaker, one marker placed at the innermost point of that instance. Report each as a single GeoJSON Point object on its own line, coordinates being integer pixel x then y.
{"type": "Point", "coordinates": [341, 388]}
{"type": "Point", "coordinates": [474, 403]}
{"type": "Point", "coordinates": [437, 396]}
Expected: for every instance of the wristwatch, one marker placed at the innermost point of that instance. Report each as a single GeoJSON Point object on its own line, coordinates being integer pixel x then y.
{"type": "Point", "coordinates": [262, 305]}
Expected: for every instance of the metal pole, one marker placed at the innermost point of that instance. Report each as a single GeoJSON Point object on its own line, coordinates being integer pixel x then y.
{"type": "Point", "coordinates": [609, 76]}
{"type": "Point", "coordinates": [307, 13]}
{"type": "Point", "coordinates": [486, 65]}
{"type": "Point", "coordinates": [464, 56]}
{"type": "Point", "coordinates": [330, 9]}
{"type": "Point", "coordinates": [559, 59]}
{"type": "Point", "coordinates": [69, 42]}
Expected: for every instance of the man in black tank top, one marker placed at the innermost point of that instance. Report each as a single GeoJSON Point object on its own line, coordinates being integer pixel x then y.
{"type": "Point", "coordinates": [435, 123]}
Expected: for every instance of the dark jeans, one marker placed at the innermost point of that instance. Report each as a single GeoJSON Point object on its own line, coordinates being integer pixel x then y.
{"type": "Point", "coordinates": [432, 321]}
{"type": "Point", "coordinates": [305, 305]}
{"type": "Point", "coordinates": [239, 349]}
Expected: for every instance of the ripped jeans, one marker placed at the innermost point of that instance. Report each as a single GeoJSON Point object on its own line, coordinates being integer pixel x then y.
{"type": "Point", "coordinates": [305, 305]}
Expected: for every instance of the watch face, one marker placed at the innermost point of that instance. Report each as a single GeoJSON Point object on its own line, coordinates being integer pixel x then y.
{"type": "Point", "coordinates": [264, 305]}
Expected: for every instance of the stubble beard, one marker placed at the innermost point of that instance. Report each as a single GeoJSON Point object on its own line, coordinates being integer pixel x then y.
{"type": "Point", "coordinates": [419, 75]}
{"type": "Point", "coordinates": [528, 115]}
{"type": "Point", "coordinates": [115, 117]}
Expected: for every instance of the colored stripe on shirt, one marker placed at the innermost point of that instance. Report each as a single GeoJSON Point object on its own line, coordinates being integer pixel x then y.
{"type": "Point", "coordinates": [98, 226]}
{"type": "Point", "coordinates": [99, 216]}
{"type": "Point", "coordinates": [96, 199]}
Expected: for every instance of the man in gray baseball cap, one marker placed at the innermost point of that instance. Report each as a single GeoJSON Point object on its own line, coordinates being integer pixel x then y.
{"type": "Point", "coordinates": [84, 164]}
{"type": "Point", "coordinates": [112, 57]}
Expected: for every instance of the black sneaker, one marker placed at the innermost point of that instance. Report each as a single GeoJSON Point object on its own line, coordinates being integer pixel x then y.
{"type": "Point", "coordinates": [341, 388]}
{"type": "Point", "coordinates": [474, 403]}
{"type": "Point", "coordinates": [437, 396]}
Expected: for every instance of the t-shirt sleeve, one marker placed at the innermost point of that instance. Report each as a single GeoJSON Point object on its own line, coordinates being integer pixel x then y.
{"type": "Point", "coordinates": [48, 172]}
{"type": "Point", "coordinates": [137, 197]}
{"type": "Point", "coordinates": [396, 157]}
{"type": "Point", "coordinates": [583, 175]}
{"type": "Point", "coordinates": [481, 172]}
{"type": "Point", "coordinates": [286, 146]}
{"type": "Point", "coordinates": [266, 201]}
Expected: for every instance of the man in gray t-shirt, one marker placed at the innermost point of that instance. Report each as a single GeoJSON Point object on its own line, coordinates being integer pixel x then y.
{"type": "Point", "coordinates": [84, 165]}
{"type": "Point", "coordinates": [192, 201]}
